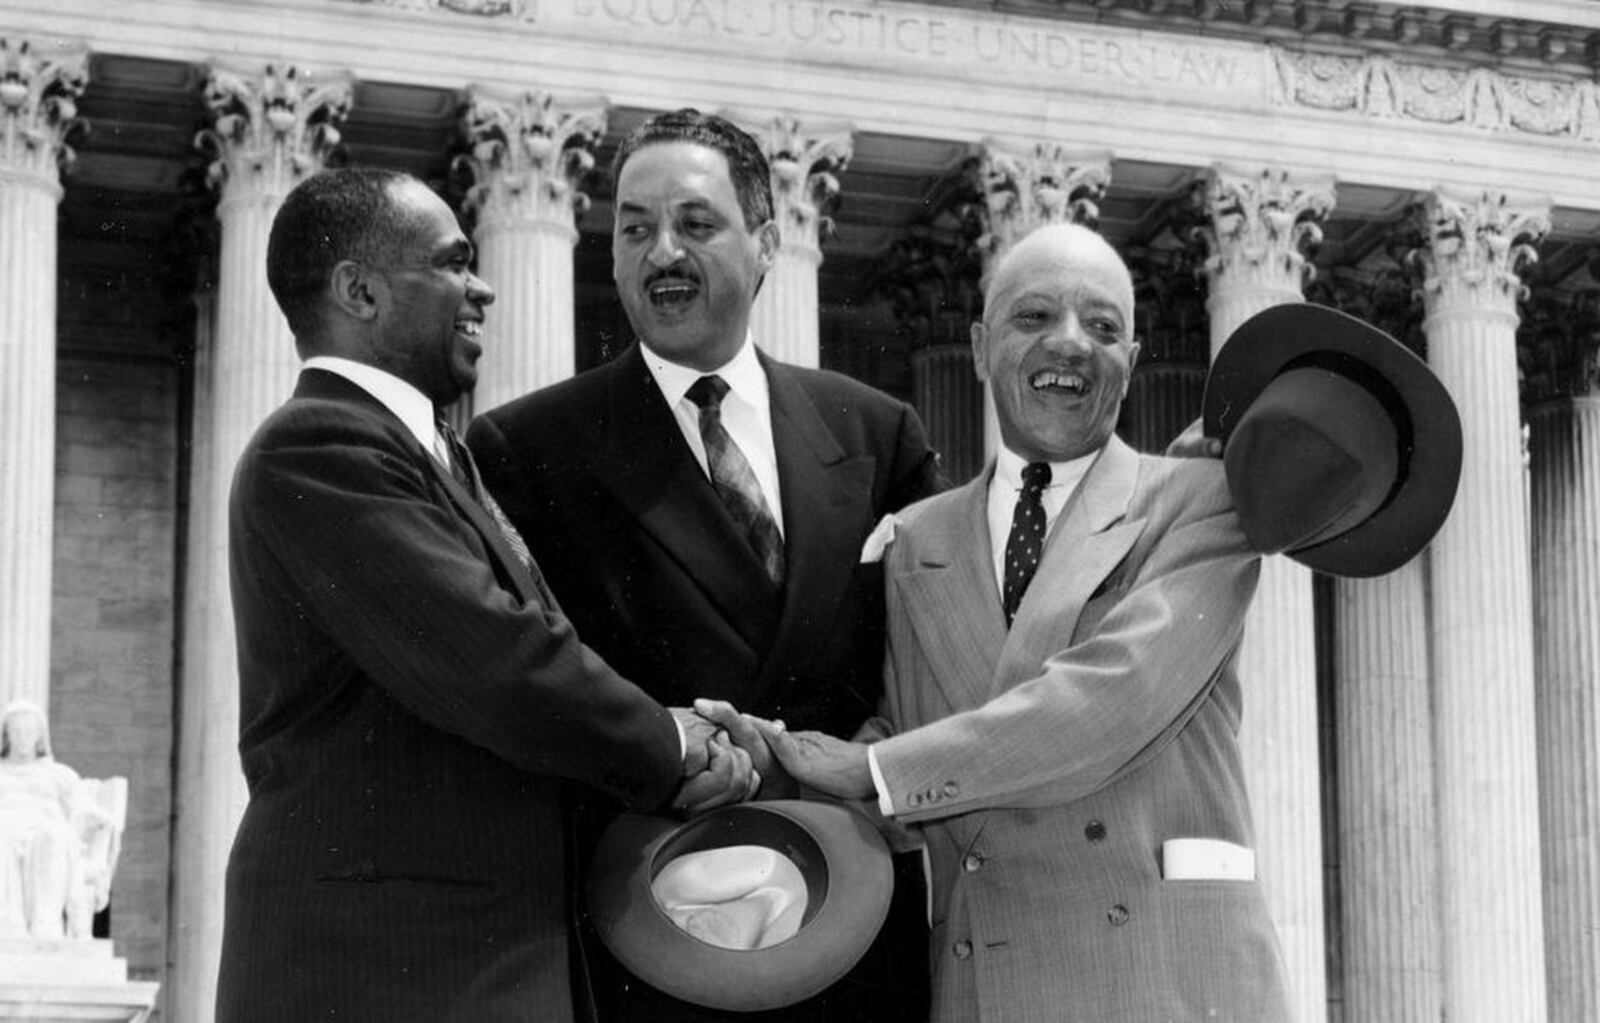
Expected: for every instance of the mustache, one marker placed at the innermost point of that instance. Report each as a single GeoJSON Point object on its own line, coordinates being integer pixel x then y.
{"type": "Point", "coordinates": [671, 273]}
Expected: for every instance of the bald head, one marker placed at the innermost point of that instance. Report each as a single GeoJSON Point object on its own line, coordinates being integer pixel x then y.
{"type": "Point", "coordinates": [1056, 342]}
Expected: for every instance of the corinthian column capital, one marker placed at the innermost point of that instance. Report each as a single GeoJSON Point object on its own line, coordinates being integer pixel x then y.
{"type": "Point", "coordinates": [805, 161]}
{"type": "Point", "coordinates": [529, 155]}
{"type": "Point", "coordinates": [1042, 184]}
{"type": "Point", "coordinates": [1259, 224]}
{"type": "Point", "coordinates": [271, 128]}
{"type": "Point", "coordinates": [38, 109]}
{"type": "Point", "coordinates": [1475, 247]}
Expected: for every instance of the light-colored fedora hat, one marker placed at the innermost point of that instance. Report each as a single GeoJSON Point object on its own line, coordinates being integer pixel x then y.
{"type": "Point", "coordinates": [848, 879]}
{"type": "Point", "coordinates": [1342, 449]}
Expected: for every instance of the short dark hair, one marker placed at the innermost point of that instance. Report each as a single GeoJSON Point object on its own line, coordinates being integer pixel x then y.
{"type": "Point", "coordinates": [747, 165]}
{"type": "Point", "coordinates": [334, 215]}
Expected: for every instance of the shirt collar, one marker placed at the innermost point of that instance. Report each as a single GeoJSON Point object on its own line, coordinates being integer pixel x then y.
{"type": "Point", "coordinates": [742, 373]}
{"type": "Point", "coordinates": [408, 404]}
{"type": "Point", "coordinates": [1008, 468]}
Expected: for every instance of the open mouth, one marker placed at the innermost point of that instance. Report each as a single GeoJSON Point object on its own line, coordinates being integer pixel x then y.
{"type": "Point", "coordinates": [1057, 381]}
{"type": "Point", "coordinates": [470, 328]}
{"type": "Point", "coordinates": [671, 292]}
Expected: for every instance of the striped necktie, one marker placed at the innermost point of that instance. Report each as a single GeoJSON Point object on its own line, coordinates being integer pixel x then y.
{"type": "Point", "coordinates": [465, 470]}
{"type": "Point", "coordinates": [734, 480]}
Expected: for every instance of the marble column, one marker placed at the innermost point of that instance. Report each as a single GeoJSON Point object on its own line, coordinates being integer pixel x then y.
{"type": "Point", "coordinates": [1259, 223]}
{"type": "Point", "coordinates": [38, 112]}
{"type": "Point", "coordinates": [1482, 626]}
{"type": "Point", "coordinates": [1565, 450]}
{"type": "Point", "coordinates": [805, 161]}
{"type": "Point", "coordinates": [529, 155]}
{"type": "Point", "coordinates": [270, 129]}
{"type": "Point", "coordinates": [1388, 843]}
{"type": "Point", "coordinates": [1026, 187]}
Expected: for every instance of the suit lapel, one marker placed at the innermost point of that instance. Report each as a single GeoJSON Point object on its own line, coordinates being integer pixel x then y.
{"type": "Point", "coordinates": [823, 490]}
{"type": "Point", "coordinates": [1088, 541]}
{"type": "Point", "coordinates": [649, 469]}
{"type": "Point", "coordinates": [951, 599]}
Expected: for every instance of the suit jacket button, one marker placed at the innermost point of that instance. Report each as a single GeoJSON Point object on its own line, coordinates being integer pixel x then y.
{"type": "Point", "coordinates": [972, 862]}
{"type": "Point", "coordinates": [951, 788]}
{"type": "Point", "coordinates": [962, 950]}
{"type": "Point", "coordinates": [915, 799]}
{"type": "Point", "coordinates": [1094, 831]}
{"type": "Point", "coordinates": [1118, 915]}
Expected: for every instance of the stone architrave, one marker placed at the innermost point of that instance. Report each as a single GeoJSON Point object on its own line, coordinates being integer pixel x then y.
{"type": "Point", "coordinates": [1258, 225]}
{"type": "Point", "coordinates": [805, 161]}
{"type": "Point", "coordinates": [38, 112]}
{"type": "Point", "coordinates": [1024, 188]}
{"type": "Point", "coordinates": [1482, 622]}
{"type": "Point", "coordinates": [1565, 453]}
{"type": "Point", "coordinates": [271, 128]}
{"type": "Point", "coordinates": [529, 154]}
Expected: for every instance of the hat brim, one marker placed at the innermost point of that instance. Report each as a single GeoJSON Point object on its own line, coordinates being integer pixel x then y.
{"type": "Point", "coordinates": [849, 876]}
{"type": "Point", "coordinates": [1267, 343]}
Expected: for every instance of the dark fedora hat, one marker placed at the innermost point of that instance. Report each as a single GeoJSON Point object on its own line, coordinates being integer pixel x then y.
{"type": "Point", "coordinates": [842, 859]}
{"type": "Point", "coordinates": [1342, 449]}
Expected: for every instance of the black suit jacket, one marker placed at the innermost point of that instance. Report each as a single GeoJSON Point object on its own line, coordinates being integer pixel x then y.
{"type": "Point", "coordinates": [410, 697]}
{"type": "Point", "coordinates": [595, 473]}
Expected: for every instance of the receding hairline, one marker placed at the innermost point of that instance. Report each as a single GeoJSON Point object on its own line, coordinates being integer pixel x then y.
{"type": "Point", "coordinates": [1051, 241]}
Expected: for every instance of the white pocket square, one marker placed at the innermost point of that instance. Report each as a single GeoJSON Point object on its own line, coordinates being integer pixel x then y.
{"type": "Point", "coordinates": [1206, 859]}
{"type": "Point", "coordinates": [881, 537]}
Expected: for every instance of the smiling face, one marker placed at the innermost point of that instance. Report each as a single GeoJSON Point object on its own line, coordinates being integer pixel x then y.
{"type": "Point", "coordinates": [1056, 343]}
{"type": "Point", "coordinates": [686, 266]}
{"type": "Point", "coordinates": [430, 330]}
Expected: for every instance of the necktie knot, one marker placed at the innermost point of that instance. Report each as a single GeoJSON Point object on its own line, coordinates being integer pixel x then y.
{"type": "Point", "coordinates": [708, 392]}
{"type": "Point", "coordinates": [1035, 477]}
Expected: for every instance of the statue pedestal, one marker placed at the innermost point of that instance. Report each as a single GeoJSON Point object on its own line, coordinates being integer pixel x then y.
{"type": "Point", "coordinates": [53, 981]}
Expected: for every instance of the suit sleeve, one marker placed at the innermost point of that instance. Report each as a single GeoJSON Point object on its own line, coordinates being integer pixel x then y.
{"type": "Point", "coordinates": [1098, 705]}
{"type": "Point", "coordinates": [387, 571]}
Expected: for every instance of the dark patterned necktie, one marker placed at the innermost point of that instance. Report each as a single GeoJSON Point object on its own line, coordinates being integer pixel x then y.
{"type": "Point", "coordinates": [734, 480]}
{"type": "Point", "coordinates": [465, 470]}
{"type": "Point", "coordinates": [1026, 543]}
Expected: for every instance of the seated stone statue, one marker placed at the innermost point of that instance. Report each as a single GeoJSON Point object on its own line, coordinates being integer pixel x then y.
{"type": "Point", "coordinates": [58, 834]}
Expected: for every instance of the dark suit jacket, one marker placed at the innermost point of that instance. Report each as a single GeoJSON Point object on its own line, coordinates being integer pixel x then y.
{"type": "Point", "coordinates": [409, 698]}
{"type": "Point", "coordinates": [596, 474]}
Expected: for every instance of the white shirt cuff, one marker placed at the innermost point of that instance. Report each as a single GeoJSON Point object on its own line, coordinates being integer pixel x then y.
{"type": "Point", "coordinates": [885, 804]}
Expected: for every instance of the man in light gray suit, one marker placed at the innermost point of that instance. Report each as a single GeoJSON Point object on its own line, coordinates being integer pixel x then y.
{"type": "Point", "coordinates": [1061, 709]}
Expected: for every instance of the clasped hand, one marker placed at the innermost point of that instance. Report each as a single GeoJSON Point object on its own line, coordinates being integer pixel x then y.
{"type": "Point", "coordinates": [742, 749]}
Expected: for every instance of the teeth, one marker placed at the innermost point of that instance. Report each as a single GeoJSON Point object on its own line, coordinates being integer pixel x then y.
{"type": "Point", "coordinates": [471, 328]}
{"type": "Point", "coordinates": [1052, 378]}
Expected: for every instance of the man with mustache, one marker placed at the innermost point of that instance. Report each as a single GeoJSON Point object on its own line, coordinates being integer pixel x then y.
{"type": "Point", "coordinates": [700, 509]}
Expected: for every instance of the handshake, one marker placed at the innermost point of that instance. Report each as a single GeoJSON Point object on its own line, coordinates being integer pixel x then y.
{"type": "Point", "coordinates": [732, 757]}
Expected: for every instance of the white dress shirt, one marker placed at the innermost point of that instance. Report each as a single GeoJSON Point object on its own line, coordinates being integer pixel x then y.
{"type": "Point", "coordinates": [409, 405]}
{"type": "Point", "coordinates": [746, 415]}
{"type": "Point", "coordinates": [1004, 486]}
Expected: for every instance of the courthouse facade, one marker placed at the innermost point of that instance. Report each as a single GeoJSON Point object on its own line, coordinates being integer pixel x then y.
{"type": "Point", "coordinates": [1420, 747]}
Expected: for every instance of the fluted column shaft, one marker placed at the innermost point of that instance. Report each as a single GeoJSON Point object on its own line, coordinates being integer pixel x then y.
{"type": "Point", "coordinates": [805, 161]}
{"type": "Point", "coordinates": [1565, 443]}
{"type": "Point", "coordinates": [1388, 844]}
{"type": "Point", "coordinates": [271, 130]}
{"type": "Point", "coordinates": [1482, 633]}
{"type": "Point", "coordinates": [36, 113]}
{"type": "Point", "coordinates": [1258, 224]}
{"type": "Point", "coordinates": [529, 156]}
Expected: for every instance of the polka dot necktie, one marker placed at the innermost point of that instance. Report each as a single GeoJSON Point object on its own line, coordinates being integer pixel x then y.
{"type": "Point", "coordinates": [734, 480]}
{"type": "Point", "coordinates": [1025, 545]}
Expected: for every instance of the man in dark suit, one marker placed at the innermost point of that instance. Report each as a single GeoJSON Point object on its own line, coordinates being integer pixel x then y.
{"type": "Point", "coordinates": [745, 582]}
{"type": "Point", "coordinates": [411, 695]}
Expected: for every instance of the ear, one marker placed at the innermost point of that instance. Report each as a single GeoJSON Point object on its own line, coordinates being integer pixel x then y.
{"type": "Point", "coordinates": [768, 239]}
{"type": "Point", "coordinates": [1133, 360]}
{"type": "Point", "coordinates": [356, 290]}
{"type": "Point", "coordinates": [980, 350]}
